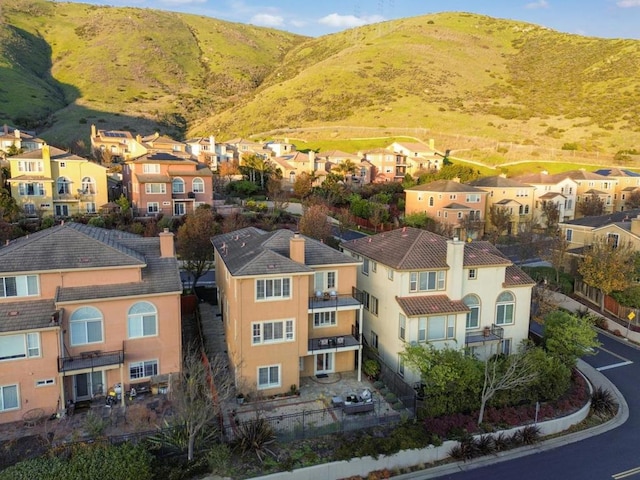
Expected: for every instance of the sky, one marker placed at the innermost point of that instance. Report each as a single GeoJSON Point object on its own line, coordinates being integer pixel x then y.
{"type": "Point", "coordinates": [314, 18]}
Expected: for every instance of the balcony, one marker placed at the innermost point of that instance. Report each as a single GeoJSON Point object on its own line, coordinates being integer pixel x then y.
{"type": "Point", "coordinates": [332, 300]}
{"type": "Point", "coordinates": [493, 333]}
{"type": "Point", "coordinates": [336, 343]}
{"type": "Point", "coordinates": [90, 360]}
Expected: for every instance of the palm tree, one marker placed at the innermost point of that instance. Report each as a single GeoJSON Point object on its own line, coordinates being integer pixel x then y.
{"type": "Point", "coordinates": [346, 168]}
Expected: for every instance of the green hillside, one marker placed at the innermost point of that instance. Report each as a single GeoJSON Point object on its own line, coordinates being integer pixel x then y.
{"type": "Point", "coordinates": [468, 78]}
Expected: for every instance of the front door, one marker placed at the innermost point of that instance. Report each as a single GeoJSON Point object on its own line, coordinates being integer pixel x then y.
{"type": "Point", "coordinates": [324, 363]}
{"type": "Point", "coordinates": [62, 210]}
{"type": "Point", "coordinates": [87, 385]}
{"type": "Point", "coordinates": [179, 209]}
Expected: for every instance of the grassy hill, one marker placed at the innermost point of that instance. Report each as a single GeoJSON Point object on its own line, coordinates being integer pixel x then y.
{"type": "Point", "coordinates": [467, 79]}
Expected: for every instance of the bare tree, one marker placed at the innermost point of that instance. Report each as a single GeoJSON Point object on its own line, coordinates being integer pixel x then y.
{"type": "Point", "coordinates": [314, 222]}
{"type": "Point", "coordinates": [551, 213]}
{"type": "Point", "coordinates": [277, 195]}
{"type": "Point", "coordinates": [632, 199]}
{"type": "Point", "coordinates": [556, 253]}
{"type": "Point", "coordinates": [345, 221]}
{"type": "Point", "coordinates": [506, 373]}
{"type": "Point", "coordinates": [500, 218]}
{"type": "Point", "coordinates": [591, 206]}
{"type": "Point", "coordinates": [472, 225]}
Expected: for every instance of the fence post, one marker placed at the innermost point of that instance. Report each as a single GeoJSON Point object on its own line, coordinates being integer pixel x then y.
{"type": "Point", "coordinates": [303, 434]}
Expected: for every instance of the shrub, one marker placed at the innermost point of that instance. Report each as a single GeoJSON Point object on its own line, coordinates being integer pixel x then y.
{"type": "Point", "coordinates": [485, 444]}
{"type": "Point", "coordinates": [466, 449]}
{"type": "Point", "coordinates": [94, 425]}
{"type": "Point", "coordinates": [502, 442]}
{"type": "Point", "coordinates": [603, 403]}
{"type": "Point", "coordinates": [371, 368]}
{"type": "Point", "coordinates": [527, 436]}
{"type": "Point", "coordinates": [256, 436]}
{"type": "Point", "coordinates": [219, 460]}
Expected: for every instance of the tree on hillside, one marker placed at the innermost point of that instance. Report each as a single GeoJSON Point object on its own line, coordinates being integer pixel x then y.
{"type": "Point", "coordinates": [607, 266]}
{"type": "Point", "coordinates": [500, 219]}
{"type": "Point", "coordinates": [314, 222]}
{"type": "Point", "coordinates": [194, 242]}
{"type": "Point", "coordinates": [551, 213]}
{"type": "Point", "coordinates": [569, 337]}
{"type": "Point", "coordinates": [506, 373]}
{"type": "Point", "coordinates": [590, 206]}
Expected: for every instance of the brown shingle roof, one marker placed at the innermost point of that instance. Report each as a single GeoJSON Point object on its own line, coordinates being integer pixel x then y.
{"type": "Point", "coordinates": [446, 186]}
{"type": "Point", "coordinates": [430, 305]}
{"type": "Point", "coordinates": [514, 276]}
{"type": "Point", "coordinates": [29, 315]}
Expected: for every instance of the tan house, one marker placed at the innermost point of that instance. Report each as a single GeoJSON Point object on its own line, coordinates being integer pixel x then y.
{"type": "Point", "coordinates": [560, 189]}
{"type": "Point", "coordinates": [420, 157]}
{"type": "Point", "coordinates": [288, 308]}
{"type": "Point", "coordinates": [590, 183]}
{"type": "Point", "coordinates": [83, 309]}
{"type": "Point", "coordinates": [164, 183]}
{"type": "Point", "coordinates": [421, 288]}
{"type": "Point", "coordinates": [12, 137]}
{"type": "Point", "coordinates": [119, 145]}
{"type": "Point", "coordinates": [50, 181]}
{"type": "Point", "coordinates": [209, 152]}
{"type": "Point", "coordinates": [626, 182]}
{"type": "Point", "coordinates": [617, 227]}
{"type": "Point", "coordinates": [506, 193]}
{"type": "Point", "coordinates": [449, 202]}
{"type": "Point", "coordinates": [389, 165]}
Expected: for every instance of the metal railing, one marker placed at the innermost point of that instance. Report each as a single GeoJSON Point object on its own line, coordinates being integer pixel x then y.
{"type": "Point", "coordinates": [90, 359]}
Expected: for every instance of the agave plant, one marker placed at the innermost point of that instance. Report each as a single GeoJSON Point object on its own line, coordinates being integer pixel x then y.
{"type": "Point", "coordinates": [603, 403]}
{"type": "Point", "coordinates": [256, 436]}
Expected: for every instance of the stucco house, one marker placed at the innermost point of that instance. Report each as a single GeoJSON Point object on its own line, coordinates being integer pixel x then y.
{"type": "Point", "coordinates": [507, 193]}
{"type": "Point", "coordinates": [617, 227]}
{"type": "Point", "coordinates": [21, 140]}
{"type": "Point", "coordinates": [289, 309]}
{"type": "Point", "coordinates": [83, 309]}
{"type": "Point", "coordinates": [420, 287]}
{"type": "Point", "coordinates": [626, 182]}
{"type": "Point", "coordinates": [49, 181]}
{"type": "Point", "coordinates": [560, 189]}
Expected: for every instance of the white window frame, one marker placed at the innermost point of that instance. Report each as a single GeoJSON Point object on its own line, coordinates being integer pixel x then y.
{"type": "Point", "coordinates": [284, 329]}
{"type": "Point", "coordinates": [27, 345]}
{"type": "Point", "coordinates": [473, 303]}
{"type": "Point", "coordinates": [473, 198]}
{"type": "Point", "coordinates": [3, 398]}
{"type": "Point", "coordinates": [63, 186]}
{"type": "Point", "coordinates": [373, 305]}
{"type": "Point", "coordinates": [271, 383]}
{"type": "Point", "coordinates": [402, 327]}
{"type": "Point", "coordinates": [79, 323]}
{"type": "Point", "coordinates": [178, 182]}
{"type": "Point", "coordinates": [21, 286]}
{"type": "Point", "coordinates": [324, 319]}
{"type": "Point", "coordinates": [569, 234]}
{"type": "Point", "coordinates": [45, 382]}
{"type": "Point", "coordinates": [153, 207]}
{"type": "Point", "coordinates": [505, 309]}
{"type": "Point", "coordinates": [90, 207]}
{"type": "Point", "coordinates": [613, 239]}
{"type": "Point", "coordinates": [140, 321]}
{"type": "Point", "coordinates": [151, 168]}
{"type": "Point", "coordinates": [88, 186]}
{"type": "Point", "coordinates": [197, 181]}
{"type": "Point", "coordinates": [142, 369]}
{"type": "Point", "coordinates": [390, 273]}
{"type": "Point", "coordinates": [365, 266]}
{"type": "Point", "coordinates": [326, 280]}
{"type": "Point", "coordinates": [266, 289]}
{"type": "Point", "coordinates": [150, 187]}
{"type": "Point", "coordinates": [416, 280]}
{"type": "Point", "coordinates": [31, 189]}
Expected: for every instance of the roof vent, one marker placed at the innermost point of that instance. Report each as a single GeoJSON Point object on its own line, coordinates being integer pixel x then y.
{"type": "Point", "coordinates": [13, 313]}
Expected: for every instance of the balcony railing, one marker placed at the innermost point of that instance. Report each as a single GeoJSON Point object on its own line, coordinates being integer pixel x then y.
{"type": "Point", "coordinates": [90, 360]}
{"type": "Point", "coordinates": [494, 333]}
{"type": "Point", "coordinates": [335, 343]}
{"type": "Point", "coordinates": [334, 300]}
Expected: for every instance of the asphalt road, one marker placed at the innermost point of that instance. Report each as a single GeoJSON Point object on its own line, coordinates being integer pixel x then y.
{"type": "Point", "coordinates": [611, 455]}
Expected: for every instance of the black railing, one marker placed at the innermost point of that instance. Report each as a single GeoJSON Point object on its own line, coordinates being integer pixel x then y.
{"type": "Point", "coordinates": [335, 343]}
{"type": "Point", "coordinates": [90, 359]}
{"type": "Point", "coordinates": [329, 300]}
{"type": "Point", "coordinates": [487, 334]}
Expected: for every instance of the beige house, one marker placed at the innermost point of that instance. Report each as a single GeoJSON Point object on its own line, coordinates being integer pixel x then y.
{"type": "Point", "coordinates": [389, 165]}
{"type": "Point", "coordinates": [626, 182]}
{"type": "Point", "coordinates": [516, 197]}
{"type": "Point", "coordinates": [12, 137]}
{"type": "Point", "coordinates": [420, 157]}
{"type": "Point", "coordinates": [560, 189]}
{"type": "Point", "coordinates": [590, 183]}
{"type": "Point", "coordinates": [289, 309]}
{"type": "Point", "coordinates": [617, 227]}
{"type": "Point", "coordinates": [119, 145]}
{"type": "Point", "coordinates": [420, 287]}
{"type": "Point", "coordinates": [50, 181]}
{"type": "Point", "coordinates": [83, 309]}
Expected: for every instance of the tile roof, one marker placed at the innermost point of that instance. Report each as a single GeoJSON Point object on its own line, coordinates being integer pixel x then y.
{"type": "Point", "coordinates": [430, 305]}
{"type": "Point", "coordinates": [602, 220]}
{"type": "Point", "coordinates": [29, 315]}
{"type": "Point", "coordinates": [54, 153]}
{"type": "Point", "coordinates": [541, 178]}
{"type": "Point", "coordinates": [584, 175]}
{"type": "Point", "coordinates": [498, 181]}
{"type": "Point", "coordinates": [152, 178]}
{"type": "Point", "coordinates": [514, 276]}
{"type": "Point", "coordinates": [481, 253]}
{"type": "Point", "coordinates": [445, 186]}
{"type": "Point", "coordinates": [162, 157]}
{"type": "Point", "coordinates": [251, 252]}
{"type": "Point", "coordinates": [457, 206]}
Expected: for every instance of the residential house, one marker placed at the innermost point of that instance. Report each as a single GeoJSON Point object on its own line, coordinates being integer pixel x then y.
{"type": "Point", "coordinates": [168, 184]}
{"type": "Point", "coordinates": [420, 287]}
{"type": "Point", "coordinates": [389, 165]}
{"type": "Point", "coordinates": [590, 183]}
{"type": "Point", "coordinates": [81, 310]}
{"type": "Point", "coordinates": [560, 189]}
{"type": "Point", "coordinates": [50, 181]}
{"type": "Point", "coordinates": [295, 163]}
{"type": "Point", "coordinates": [243, 148]}
{"type": "Point", "coordinates": [12, 137]}
{"type": "Point", "coordinates": [288, 308]}
{"type": "Point", "coordinates": [626, 182]}
{"type": "Point", "coordinates": [280, 149]}
{"type": "Point", "coordinates": [506, 193]}
{"type": "Point", "coordinates": [450, 202]}
{"type": "Point", "coordinates": [156, 143]}
{"type": "Point", "coordinates": [420, 157]}
{"type": "Point", "coordinates": [118, 145]}
{"type": "Point", "coordinates": [617, 228]}
{"type": "Point", "coordinates": [209, 152]}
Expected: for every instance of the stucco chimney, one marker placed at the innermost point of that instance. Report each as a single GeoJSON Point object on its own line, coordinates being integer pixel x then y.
{"type": "Point", "coordinates": [296, 248]}
{"type": "Point", "coordinates": [93, 130]}
{"type": "Point", "coordinates": [635, 225]}
{"type": "Point", "coordinates": [212, 143]}
{"type": "Point", "coordinates": [432, 144]}
{"type": "Point", "coordinates": [455, 258]}
{"type": "Point", "coordinates": [46, 153]}
{"type": "Point", "coordinates": [166, 244]}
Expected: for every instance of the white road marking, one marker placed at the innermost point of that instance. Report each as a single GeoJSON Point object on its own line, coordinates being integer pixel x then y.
{"type": "Point", "coordinates": [626, 473]}
{"type": "Point", "coordinates": [614, 365]}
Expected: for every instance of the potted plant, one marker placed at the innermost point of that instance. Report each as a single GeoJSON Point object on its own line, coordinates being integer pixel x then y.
{"type": "Point", "coordinates": [240, 398]}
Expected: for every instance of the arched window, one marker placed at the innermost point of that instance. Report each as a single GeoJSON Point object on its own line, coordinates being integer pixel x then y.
{"type": "Point", "coordinates": [292, 177]}
{"type": "Point", "coordinates": [431, 201]}
{"type": "Point", "coordinates": [178, 185]}
{"type": "Point", "coordinates": [88, 186]}
{"type": "Point", "coordinates": [505, 308]}
{"type": "Point", "coordinates": [197, 185]}
{"type": "Point", "coordinates": [63, 185]}
{"type": "Point", "coordinates": [86, 326]}
{"type": "Point", "coordinates": [473, 317]}
{"type": "Point", "coordinates": [142, 320]}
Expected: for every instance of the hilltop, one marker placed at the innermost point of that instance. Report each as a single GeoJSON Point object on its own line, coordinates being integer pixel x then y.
{"type": "Point", "coordinates": [465, 76]}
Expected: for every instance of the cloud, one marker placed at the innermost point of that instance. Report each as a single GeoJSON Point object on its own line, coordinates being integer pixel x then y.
{"type": "Point", "coordinates": [267, 20]}
{"type": "Point", "coordinates": [335, 20]}
{"type": "Point", "coordinates": [628, 3]}
{"type": "Point", "coordinates": [537, 4]}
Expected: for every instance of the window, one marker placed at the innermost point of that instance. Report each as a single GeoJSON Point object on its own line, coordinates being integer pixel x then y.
{"type": "Point", "coordinates": [153, 207]}
{"type": "Point", "coordinates": [569, 234]}
{"type": "Point", "coordinates": [19, 286]}
{"type": "Point", "coordinates": [29, 209]}
{"type": "Point", "coordinates": [505, 346]}
{"type": "Point", "coordinates": [90, 207]}
{"type": "Point", "coordinates": [46, 382]}
{"type": "Point", "coordinates": [144, 369]}
{"type": "Point", "coordinates": [13, 347]}
{"type": "Point", "coordinates": [154, 188]}
{"type": "Point", "coordinates": [373, 305]}
{"type": "Point", "coordinates": [177, 186]}
{"type": "Point", "coordinates": [459, 214]}
{"type": "Point", "coordinates": [431, 201]}
{"type": "Point", "coordinates": [268, 377]}
{"type": "Point", "coordinates": [179, 208]}
{"type": "Point", "coordinates": [273, 289]}
{"type": "Point", "coordinates": [151, 168]}
{"type": "Point", "coordinates": [142, 320]}
{"type": "Point", "coordinates": [426, 281]}
{"type": "Point", "coordinates": [436, 328]}
{"type": "Point", "coordinates": [324, 319]}
{"type": "Point", "coordinates": [473, 274]}
{"type": "Point", "coordinates": [86, 326]}
{"type": "Point", "coordinates": [473, 317]}
{"type": "Point", "coordinates": [390, 273]}
{"type": "Point", "coordinates": [88, 186]}
{"type": "Point", "coordinates": [401, 366]}
{"type": "Point", "coordinates": [63, 185]}
{"type": "Point", "coordinates": [374, 339]}
{"type": "Point", "coordinates": [30, 166]}
{"type": "Point", "coordinates": [275, 331]}
{"type": "Point", "coordinates": [452, 196]}
{"type": "Point", "coordinates": [197, 185]}
{"type": "Point", "coordinates": [402, 327]}
{"type": "Point", "coordinates": [325, 281]}
{"type": "Point", "coordinates": [62, 210]}
{"type": "Point", "coordinates": [9, 398]}
{"type": "Point", "coordinates": [374, 266]}
{"type": "Point", "coordinates": [473, 198]}
{"type": "Point", "coordinates": [365, 266]}
{"type": "Point", "coordinates": [504, 309]}
{"type": "Point", "coordinates": [613, 239]}
{"type": "Point", "coordinates": [31, 189]}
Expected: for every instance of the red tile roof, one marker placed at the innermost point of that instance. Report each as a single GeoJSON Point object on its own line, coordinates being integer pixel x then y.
{"type": "Point", "coordinates": [430, 305]}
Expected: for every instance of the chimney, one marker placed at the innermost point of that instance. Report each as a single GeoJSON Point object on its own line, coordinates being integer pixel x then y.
{"type": "Point", "coordinates": [432, 144]}
{"type": "Point", "coordinates": [46, 153]}
{"type": "Point", "coordinates": [212, 143]}
{"type": "Point", "coordinates": [166, 244]}
{"type": "Point", "coordinates": [635, 225]}
{"type": "Point", "coordinates": [296, 248]}
{"type": "Point", "coordinates": [6, 129]}
{"type": "Point", "coordinates": [93, 130]}
{"type": "Point", "coordinates": [139, 138]}
{"type": "Point", "coordinates": [312, 158]}
{"type": "Point", "coordinates": [16, 133]}
{"type": "Point", "coordinates": [455, 258]}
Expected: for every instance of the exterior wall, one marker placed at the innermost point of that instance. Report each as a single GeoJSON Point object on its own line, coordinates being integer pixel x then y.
{"type": "Point", "coordinates": [582, 235]}
{"type": "Point", "coordinates": [608, 186]}
{"type": "Point", "coordinates": [26, 372]}
{"type": "Point", "coordinates": [620, 195]}
{"type": "Point", "coordinates": [419, 201]}
{"type": "Point", "coordinates": [524, 196]}
{"type": "Point", "coordinates": [75, 171]}
{"type": "Point", "coordinates": [50, 281]}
